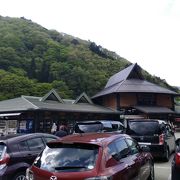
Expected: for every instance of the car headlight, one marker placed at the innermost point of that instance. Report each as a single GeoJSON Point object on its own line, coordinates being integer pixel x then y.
{"type": "Point", "coordinates": [29, 174]}
{"type": "Point", "coordinates": [99, 178]}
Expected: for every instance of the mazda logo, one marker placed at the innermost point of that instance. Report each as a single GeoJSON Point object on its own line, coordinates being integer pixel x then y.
{"type": "Point", "coordinates": [53, 178]}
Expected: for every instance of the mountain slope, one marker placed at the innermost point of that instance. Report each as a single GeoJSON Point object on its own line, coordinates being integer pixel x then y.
{"type": "Point", "coordinates": [39, 59]}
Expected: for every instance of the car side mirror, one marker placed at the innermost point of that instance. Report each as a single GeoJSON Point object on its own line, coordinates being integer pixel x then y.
{"type": "Point", "coordinates": [112, 161]}
{"type": "Point", "coordinates": [116, 157]}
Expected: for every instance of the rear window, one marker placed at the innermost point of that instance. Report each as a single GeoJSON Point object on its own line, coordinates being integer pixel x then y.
{"type": "Point", "coordinates": [35, 144]}
{"type": "Point", "coordinates": [67, 158]}
{"type": "Point", "coordinates": [142, 128]}
{"type": "Point", "coordinates": [106, 126]}
{"type": "Point", "coordinates": [88, 127]}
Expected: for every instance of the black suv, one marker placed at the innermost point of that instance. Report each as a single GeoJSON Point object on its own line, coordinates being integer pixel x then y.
{"type": "Point", "coordinates": [17, 153]}
{"type": "Point", "coordinates": [98, 126]}
{"type": "Point", "coordinates": [157, 134]}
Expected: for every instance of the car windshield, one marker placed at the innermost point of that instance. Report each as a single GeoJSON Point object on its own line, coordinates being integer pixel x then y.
{"type": "Point", "coordinates": [107, 126]}
{"type": "Point", "coordinates": [88, 127]}
{"type": "Point", "coordinates": [142, 128]}
{"type": "Point", "coordinates": [67, 157]}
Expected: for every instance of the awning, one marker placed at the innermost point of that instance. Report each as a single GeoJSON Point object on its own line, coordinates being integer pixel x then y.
{"type": "Point", "coordinates": [10, 114]}
{"type": "Point", "coordinates": [134, 117]}
{"type": "Point", "coordinates": [154, 109]}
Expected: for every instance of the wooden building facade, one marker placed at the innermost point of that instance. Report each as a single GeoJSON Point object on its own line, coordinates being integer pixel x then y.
{"type": "Point", "coordinates": [37, 114]}
{"type": "Point", "coordinates": [126, 95]}
{"type": "Point", "coordinates": [129, 93]}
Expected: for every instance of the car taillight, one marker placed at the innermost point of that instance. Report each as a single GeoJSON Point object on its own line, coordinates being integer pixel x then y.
{"type": "Point", "coordinates": [4, 161]}
{"type": "Point", "coordinates": [177, 158]}
{"type": "Point", "coordinates": [161, 139]}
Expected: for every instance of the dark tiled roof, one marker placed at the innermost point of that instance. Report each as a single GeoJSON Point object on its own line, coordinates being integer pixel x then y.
{"type": "Point", "coordinates": [135, 85]}
{"type": "Point", "coordinates": [131, 80]}
{"type": "Point", "coordinates": [25, 103]}
{"type": "Point", "coordinates": [16, 104]}
{"type": "Point", "coordinates": [120, 76]}
{"type": "Point", "coordinates": [154, 109]}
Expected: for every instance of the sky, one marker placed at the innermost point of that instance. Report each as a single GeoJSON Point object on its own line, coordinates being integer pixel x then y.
{"type": "Point", "coordinates": [146, 32]}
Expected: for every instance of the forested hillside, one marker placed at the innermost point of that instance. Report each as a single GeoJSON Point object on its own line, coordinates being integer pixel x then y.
{"type": "Point", "coordinates": [34, 60]}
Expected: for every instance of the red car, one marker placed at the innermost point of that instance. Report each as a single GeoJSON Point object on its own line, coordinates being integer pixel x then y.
{"type": "Point", "coordinates": [93, 156]}
{"type": "Point", "coordinates": [175, 165]}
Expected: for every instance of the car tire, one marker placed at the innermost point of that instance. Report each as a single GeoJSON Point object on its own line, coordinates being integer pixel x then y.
{"type": "Point", "coordinates": [166, 156]}
{"type": "Point", "coordinates": [20, 176]}
{"type": "Point", "coordinates": [151, 176]}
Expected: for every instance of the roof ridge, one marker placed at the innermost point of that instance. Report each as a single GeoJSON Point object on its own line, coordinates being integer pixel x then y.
{"type": "Point", "coordinates": [121, 75]}
{"type": "Point", "coordinates": [52, 91]}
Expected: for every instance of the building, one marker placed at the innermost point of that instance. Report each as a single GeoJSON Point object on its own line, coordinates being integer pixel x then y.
{"type": "Point", "coordinates": [37, 114]}
{"type": "Point", "coordinates": [128, 92]}
{"type": "Point", "coordinates": [126, 95]}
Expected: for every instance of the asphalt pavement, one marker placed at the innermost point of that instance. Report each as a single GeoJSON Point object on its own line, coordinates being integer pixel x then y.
{"type": "Point", "coordinates": [163, 169]}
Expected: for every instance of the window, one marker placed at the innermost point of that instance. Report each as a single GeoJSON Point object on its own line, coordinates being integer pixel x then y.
{"type": "Point", "coordinates": [133, 146]}
{"type": "Point", "coordinates": [2, 150]}
{"type": "Point", "coordinates": [35, 144]}
{"type": "Point", "coordinates": [119, 149]}
{"type": "Point", "coordinates": [122, 148]}
{"type": "Point", "coordinates": [68, 157]}
{"type": "Point", "coordinates": [112, 149]}
{"type": "Point", "coordinates": [146, 99]}
{"type": "Point", "coordinates": [48, 139]}
{"type": "Point", "coordinates": [142, 128]}
{"type": "Point", "coordinates": [23, 146]}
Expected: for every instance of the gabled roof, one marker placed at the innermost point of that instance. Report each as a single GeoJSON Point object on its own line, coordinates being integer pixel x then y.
{"type": "Point", "coordinates": [131, 80]}
{"type": "Point", "coordinates": [83, 98]}
{"type": "Point", "coordinates": [52, 96]}
{"type": "Point", "coordinates": [134, 85]}
{"type": "Point", "coordinates": [132, 71]}
{"type": "Point", "coordinates": [30, 103]}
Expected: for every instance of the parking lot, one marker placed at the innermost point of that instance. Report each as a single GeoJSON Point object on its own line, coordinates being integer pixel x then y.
{"type": "Point", "coordinates": [163, 169]}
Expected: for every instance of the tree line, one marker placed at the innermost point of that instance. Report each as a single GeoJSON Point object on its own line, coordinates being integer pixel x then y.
{"type": "Point", "coordinates": [34, 60]}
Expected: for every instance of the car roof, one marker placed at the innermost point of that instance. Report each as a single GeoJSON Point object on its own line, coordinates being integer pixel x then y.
{"type": "Point", "coordinates": [104, 122]}
{"type": "Point", "coordinates": [18, 137]}
{"type": "Point", "coordinates": [152, 120]}
{"type": "Point", "coordinates": [99, 139]}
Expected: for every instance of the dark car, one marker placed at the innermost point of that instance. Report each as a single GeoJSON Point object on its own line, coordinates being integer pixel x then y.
{"type": "Point", "coordinates": [157, 134]}
{"type": "Point", "coordinates": [175, 166]}
{"type": "Point", "coordinates": [17, 153]}
{"type": "Point", "coordinates": [98, 126]}
{"type": "Point", "coordinates": [93, 156]}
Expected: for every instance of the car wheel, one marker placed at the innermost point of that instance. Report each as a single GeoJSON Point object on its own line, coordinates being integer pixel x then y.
{"type": "Point", "coordinates": [151, 175]}
{"type": "Point", "coordinates": [20, 176]}
{"type": "Point", "coordinates": [166, 156]}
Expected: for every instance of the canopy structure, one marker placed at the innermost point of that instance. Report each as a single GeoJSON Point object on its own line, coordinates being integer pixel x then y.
{"type": "Point", "coordinates": [154, 110]}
